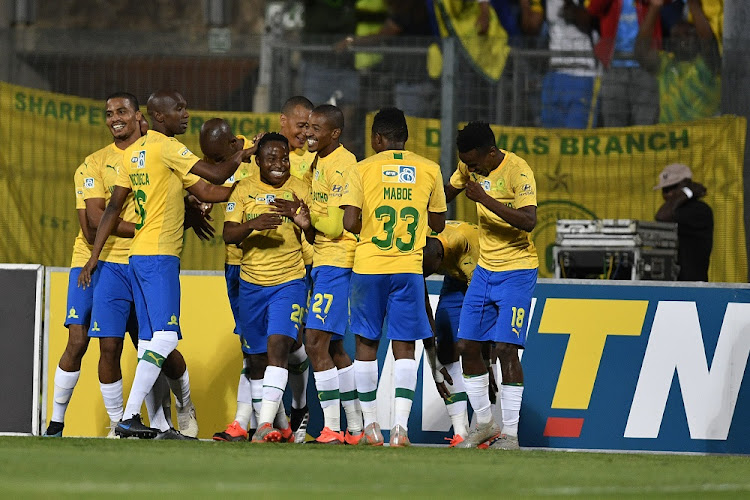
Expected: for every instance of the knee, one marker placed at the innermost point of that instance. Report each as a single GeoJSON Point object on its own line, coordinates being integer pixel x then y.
{"type": "Point", "coordinates": [469, 349]}
{"type": "Point", "coordinates": [110, 349]}
{"type": "Point", "coordinates": [507, 353]}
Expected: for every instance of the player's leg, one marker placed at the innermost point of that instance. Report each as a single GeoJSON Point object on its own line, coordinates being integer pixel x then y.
{"type": "Point", "coordinates": [176, 371]}
{"type": "Point", "coordinates": [348, 391]}
{"type": "Point", "coordinates": [299, 371]}
{"type": "Point", "coordinates": [406, 295]}
{"type": "Point", "coordinates": [477, 317]}
{"type": "Point", "coordinates": [368, 298]}
{"type": "Point", "coordinates": [516, 289]}
{"type": "Point", "coordinates": [69, 368]}
{"type": "Point", "coordinates": [156, 291]}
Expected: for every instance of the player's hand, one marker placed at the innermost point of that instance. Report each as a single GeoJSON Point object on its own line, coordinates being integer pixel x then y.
{"type": "Point", "coordinates": [84, 279]}
{"type": "Point", "coordinates": [264, 221]}
{"type": "Point", "coordinates": [699, 190]}
{"type": "Point", "coordinates": [442, 388]}
{"type": "Point", "coordinates": [253, 149]}
{"type": "Point", "coordinates": [203, 229]}
{"type": "Point", "coordinates": [474, 191]}
{"type": "Point", "coordinates": [287, 208]}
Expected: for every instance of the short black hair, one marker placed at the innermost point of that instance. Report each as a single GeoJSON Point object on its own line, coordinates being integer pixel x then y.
{"type": "Point", "coordinates": [333, 115]}
{"type": "Point", "coordinates": [125, 95]}
{"type": "Point", "coordinates": [391, 124]}
{"type": "Point", "coordinates": [475, 135]}
{"type": "Point", "coordinates": [295, 101]}
{"type": "Point", "coordinates": [272, 137]}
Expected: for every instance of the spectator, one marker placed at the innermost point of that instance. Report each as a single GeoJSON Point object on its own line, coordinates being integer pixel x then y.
{"type": "Point", "coordinates": [568, 99]}
{"type": "Point", "coordinates": [694, 218]}
{"type": "Point", "coordinates": [688, 75]}
{"type": "Point", "coordinates": [629, 93]}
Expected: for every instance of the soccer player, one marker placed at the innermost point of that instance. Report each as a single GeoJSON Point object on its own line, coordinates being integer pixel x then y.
{"type": "Point", "coordinates": [452, 253]}
{"type": "Point", "coordinates": [397, 194]}
{"type": "Point", "coordinates": [218, 143]}
{"type": "Point", "coordinates": [78, 315]}
{"type": "Point", "coordinates": [293, 121]}
{"type": "Point", "coordinates": [497, 302]}
{"type": "Point", "coordinates": [328, 314]}
{"type": "Point", "coordinates": [153, 168]}
{"type": "Point", "coordinates": [113, 306]}
{"type": "Point", "coordinates": [266, 217]}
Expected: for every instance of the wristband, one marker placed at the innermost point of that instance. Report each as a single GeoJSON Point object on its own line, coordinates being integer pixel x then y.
{"type": "Point", "coordinates": [688, 192]}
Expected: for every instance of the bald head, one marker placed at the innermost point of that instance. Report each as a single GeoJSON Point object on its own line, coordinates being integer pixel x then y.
{"type": "Point", "coordinates": [168, 112]}
{"type": "Point", "coordinates": [217, 140]}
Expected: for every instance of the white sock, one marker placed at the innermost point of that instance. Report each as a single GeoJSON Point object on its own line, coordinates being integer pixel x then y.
{"type": "Point", "coordinates": [477, 389]}
{"type": "Point", "coordinates": [510, 405]}
{"type": "Point", "coordinates": [257, 389]}
{"type": "Point", "coordinates": [65, 382]}
{"type": "Point", "coordinates": [112, 395]}
{"type": "Point", "coordinates": [405, 381]}
{"type": "Point", "coordinates": [327, 384]}
{"type": "Point", "coordinates": [146, 372]}
{"type": "Point", "coordinates": [244, 401]}
{"type": "Point", "coordinates": [274, 383]}
{"type": "Point", "coordinates": [457, 408]}
{"type": "Point", "coordinates": [281, 421]}
{"type": "Point", "coordinates": [181, 389]}
{"type": "Point", "coordinates": [350, 399]}
{"type": "Point", "coordinates": [366, 375]}
{"type": "Point", "coordinates": [299, 373]}
{"type": "Point", "coordinates": [154, 404]}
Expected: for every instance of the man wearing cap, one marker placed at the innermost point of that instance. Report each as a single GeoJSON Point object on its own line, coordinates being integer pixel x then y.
{"type": "Point", "coordinates": [694, 218]}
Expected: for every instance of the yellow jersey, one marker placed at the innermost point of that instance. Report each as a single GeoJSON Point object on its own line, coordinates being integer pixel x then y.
{"type": "Point", "coordinates": [502, 246]}
{"type": "Point", "coordinates": [460, 250]}
{"type": "Point", "coordinates": [273, 256]}
{"type": "Point", "coordinates": [395, 190]}
{"type": "Point", "coordinates": [81, 247]}
{"type": "Point", "coordinates": [156, 168]}
{"type": "Point", "coordinates": [101, 175]}
{"type": "Point", "coordinates": [300, 166]}
{"type": "Point", "coordinates": [327, 185]}
{"type": "Point", "coordinates": [233, 253]}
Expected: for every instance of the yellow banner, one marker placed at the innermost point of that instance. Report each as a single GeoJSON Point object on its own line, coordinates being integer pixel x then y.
{"type": "Point", "coordinates": [43, 138]}
{"type": "Point", "coordinates": [610, 174]}
{"type": "Point", "coordinates": [210, 348]}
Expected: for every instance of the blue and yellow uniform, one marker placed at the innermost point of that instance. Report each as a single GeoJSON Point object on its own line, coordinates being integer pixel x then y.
{"type": "Point", "coordinates": [333, 257]}
{"type": "Point", "coordinates": [80, 300]}
{"type": "Point", "coordinates": [498, 299]}
{"type": "Point", "coordinates": [155, 167]}
{"type": "Point", "coordinates": [395, 190]}
{"type": "Point", "coordinates": [460, 242]}
{"type": "Point", "coordinates": [272, 286]}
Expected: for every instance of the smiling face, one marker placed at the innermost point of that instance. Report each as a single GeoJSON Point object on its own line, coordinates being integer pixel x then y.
{"type": "Point", "coordinates": [321, 136]}
{"type": "Point", "coordinates": [273, 161]}
{"type": "Point", "coordinates": [480, 162]}
{"type": "Point", "coordinates": [293, 126]}
{"type": "Point", "coordinates": [122, 119]}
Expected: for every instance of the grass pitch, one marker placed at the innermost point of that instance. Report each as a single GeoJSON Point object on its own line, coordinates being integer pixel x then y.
{"type": "Point", "coordinates": [101, 468]}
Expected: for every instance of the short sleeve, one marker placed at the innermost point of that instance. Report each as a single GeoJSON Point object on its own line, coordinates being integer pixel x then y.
{"type": "Point", "coordinates": [78, 181]}
{"type": "Point", "coordinates": [437, 196]}
{"type": "Point", "coordinates": [123, 180]}
{"type": "Point", "coordinates": [460, 176]}
{"type": "Point", "coordinates": [189, 180]}
{"type": "Point", "coordinates": [524, 187]}
{"type": "Point", "coordinates": [233, 210]}
{"type": "Point", "coordinates": [177, 156]}
{"type": "Point", "coordinates": [352, 193]}
{"type": "Point", "coordinates": [93, 182]}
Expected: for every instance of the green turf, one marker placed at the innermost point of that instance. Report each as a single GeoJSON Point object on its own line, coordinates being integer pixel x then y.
{"type": "Point", "coordinates": [72, 468]}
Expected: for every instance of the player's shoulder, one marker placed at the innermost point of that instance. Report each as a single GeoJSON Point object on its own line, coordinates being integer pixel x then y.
{"type": "Point", "coordinates": [516, 162]}
{"type": "Point", "coordinates": [343, 155]}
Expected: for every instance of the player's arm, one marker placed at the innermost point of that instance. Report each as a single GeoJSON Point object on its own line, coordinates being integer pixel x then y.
{"type": "Point", "coordinates": [644, 51]}
{"type": "Point", "coordinates": [352, 218]}
{"type": "Point", "coordinates": [332, 225]}
{"type": "Point", "coordinates": [523, 218]}
{"type": "Point", "coordinates": [107, 225]}
{"type": "Point", "coordinates": [236, 232]}
{"type": "Point", "coordinates": [436, 221]}
{"type": "Point", "coordinates": [95, 210]}
{"type": "Point", "coordinates": [88, 232]}
{"type": "Point", "coordinates": [210, 193]}
{"type": "Point", "coordinates": [451, 192]}
{"type": "Point", "coordinates": [298, 212]}
{"type": "Point", "coordinates": [218, 173]}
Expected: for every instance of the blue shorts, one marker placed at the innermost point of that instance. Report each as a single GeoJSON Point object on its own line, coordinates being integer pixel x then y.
{"type": "Point", "coordinates": [155, 280]}
{"type": "Point", "coordinates": [448, 310]}
{"type": "Point", "coordinates": [329, 303]}
{"type": "Point", "coordinates": [496, 306]}
{"type": "Point", "coordinates": [80, 301]}
{"type": "Point", "coordinates": [308, 292]}
{"type": "Point", "coordinates": [400, 296]}
{"type": "Point", "coordinates": [232, 276]}
{"type": "Point", "coordinates": [270, 310]}
{"type": "Point", "coordinates": [114, 312]}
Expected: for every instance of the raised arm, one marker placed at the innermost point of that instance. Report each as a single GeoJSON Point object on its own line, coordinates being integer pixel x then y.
{"type": "Point", "coordinates": [645, 52]}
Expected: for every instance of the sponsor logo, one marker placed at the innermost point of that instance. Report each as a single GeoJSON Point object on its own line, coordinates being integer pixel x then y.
{"type": "Point", "coordinates": [185, 151]}
{"type": "Point", "coordinates": [231, 179]}
{"type": "Point", "coordinates": [88, 182]}
{"type": "Point", "coordinates": [486, 185]}
{"type": "Point", "coordinates": [230, 206]}
{"type": "Point", "coordinates": [139, 158]}
{"type": "Point", "coordinates": [407, 175]}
